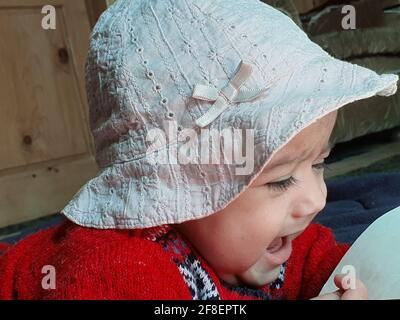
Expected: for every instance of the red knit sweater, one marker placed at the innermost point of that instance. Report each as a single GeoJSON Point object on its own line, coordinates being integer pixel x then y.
{"type": "Point", "coordinates": [152, 263]}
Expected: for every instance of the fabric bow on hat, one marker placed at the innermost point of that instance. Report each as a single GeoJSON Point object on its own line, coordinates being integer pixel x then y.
{"type": "Point", "coordinates": [230, 94]}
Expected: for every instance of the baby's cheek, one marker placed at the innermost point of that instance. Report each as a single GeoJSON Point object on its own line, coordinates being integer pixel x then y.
{"type": "Point", "coordinates": [268, 221]}
{"type": "Point", "coordinates": [239, 258]}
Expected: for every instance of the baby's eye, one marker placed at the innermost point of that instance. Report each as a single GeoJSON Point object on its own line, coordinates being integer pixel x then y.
{"type": "Point", "coordinates": [282, 185]}
{"type": "Point", "coordinates": [285, 184]}
{"type": "Point", "coordinates": [320, 166]}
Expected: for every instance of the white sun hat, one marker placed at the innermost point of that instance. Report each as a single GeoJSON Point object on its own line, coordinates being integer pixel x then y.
{"type": "Point", "coordinates": [192, 66]}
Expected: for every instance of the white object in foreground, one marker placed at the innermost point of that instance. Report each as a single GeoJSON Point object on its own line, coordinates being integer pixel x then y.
{"type": "Point", "coordinates": [375, 256]}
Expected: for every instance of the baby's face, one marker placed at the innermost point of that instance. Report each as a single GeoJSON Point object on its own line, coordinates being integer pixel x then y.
{"type": "Point", "coordinates": [247, 241]}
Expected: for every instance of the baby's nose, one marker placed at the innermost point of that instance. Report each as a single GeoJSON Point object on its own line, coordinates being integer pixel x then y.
{"type": "Point", "coordinates": [312, 201]}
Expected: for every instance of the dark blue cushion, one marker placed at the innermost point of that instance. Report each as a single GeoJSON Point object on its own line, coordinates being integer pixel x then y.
{"type": "Point", "coordinates": [353, 203]}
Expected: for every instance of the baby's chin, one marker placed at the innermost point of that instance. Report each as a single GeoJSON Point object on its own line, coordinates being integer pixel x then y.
{"type": "Point", "coordinates": [256, 278]}
{"type": "Point", "coordinates": [253, 277]}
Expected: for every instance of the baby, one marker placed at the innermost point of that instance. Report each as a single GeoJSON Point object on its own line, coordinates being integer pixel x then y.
{"type": "Point", "coordinates": [191, 228]}
{"type": "Point", "coordinates": [247, 242]}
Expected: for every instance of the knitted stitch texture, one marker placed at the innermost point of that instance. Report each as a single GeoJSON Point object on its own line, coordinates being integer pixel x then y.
{"type": "Point", "coordinates": [152, 263]}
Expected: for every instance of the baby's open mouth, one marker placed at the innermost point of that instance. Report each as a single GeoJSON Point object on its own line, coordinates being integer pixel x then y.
{"type": "Point", "coordinates": [279, 250]}
{"type": "Point", "coordinates": [275, 245]}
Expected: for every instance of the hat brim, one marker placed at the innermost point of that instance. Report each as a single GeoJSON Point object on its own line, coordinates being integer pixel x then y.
{"type": "Point", "coordinates": [142, 193]}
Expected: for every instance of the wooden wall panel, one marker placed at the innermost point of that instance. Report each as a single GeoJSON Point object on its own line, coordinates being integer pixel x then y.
{"type": "Point", "coordinates": [46, 149]}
